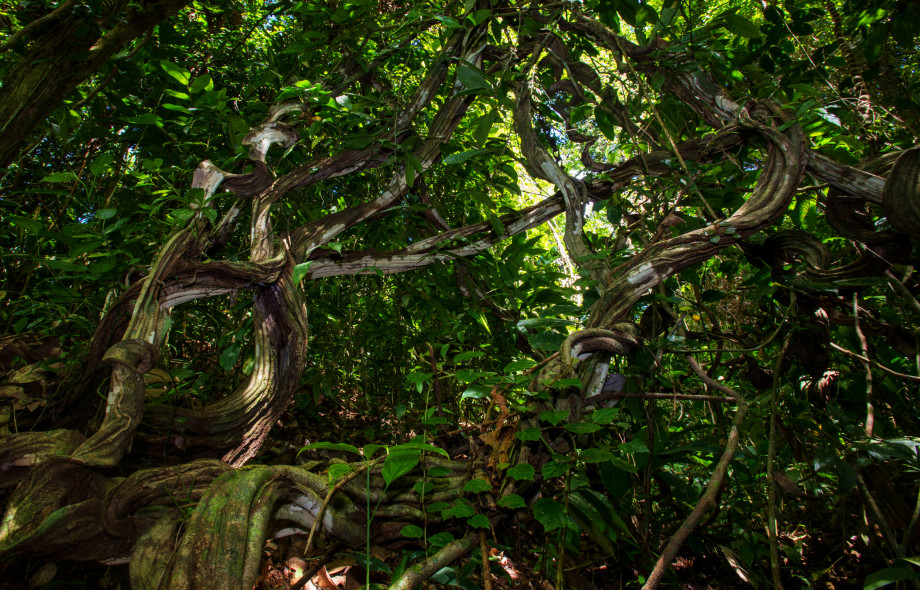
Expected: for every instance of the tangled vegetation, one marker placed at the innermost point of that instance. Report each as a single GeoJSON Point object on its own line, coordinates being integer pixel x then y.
{"type": "Point", "coordinates": [603, 294]}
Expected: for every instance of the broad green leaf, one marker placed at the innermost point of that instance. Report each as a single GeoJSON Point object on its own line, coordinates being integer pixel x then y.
{"type": "Point", "coordinates": [595, 455]}
{"type": "Point", "coordinates": [100, 164]}
{"type": "Point", "coordinates": [415, 446]}
{"type": "Point", "coordinates": [582, 427]}
{"type": "Point", "coordinates": [888, 576]}
{"type": "Point", "coordinates": [521, 471]}
{"type": "Point", "coordinates": [202, 83]}
{"type": "Point", "coordinates": [552, 417]}
{"type": "Point", "coordinates": [517, 366]}
{"type": "Point", "coordinates": [476, 391]}
{"type": "Point", "coordinates": [229, 356]}
{"type": "Point", "coordinates": [105, 213]}
{"type": "Point", "coordinates": [412, 531]}
{"type": "Point", "coordinates": [470, 354]}
{"type": "Point", "coordinates": [419, 378]}
{"type": "Point", "coordinates": [742, 26]}
{"type": "Point", "coordinates": [461, 157]}
{"type": "Point", "coordinates": [181, 75]}
{"type": "Point", "coordinates": [439, 471]}
{"type": "Point", "coordinates": [633, 446]}
{"type": "Point", "coordinates": [177, 94]}
{"type": "Point", "coordinates": [423, 487]}
{"type": "Point", "coordinates": [398, 464]}
{"type": "Point", "coordinates": [458, 510]}
{"type": "Point", "coordinates": [472, 78]}
{"type": "Point", "coordinates": [60, 177]}
{"type": "Point", "coordinates": [553, 469]}
{"type": "Point", "coordinates": [440, 539]}
{"type": "Point", "coordinates": [512, 501]}
{"type": "Point", "coordinates": [604, 415]}
{"type": "Point", "coordinates": [478, 521]}
{"type": "Point", "coordinates": [477, 485]}
{"type": "Point", "coordinates": [449, 21]}
{"type": "Point", "coordinates": [300, 271]}
{"type": "Point", "coordinates": [529, 434]}
{"type": "Point", "coordinates": [484, 126]}
{"type": "Point", "coordinates": [549, 513]}
{"type": "Point", "coordinates": [337, 470]}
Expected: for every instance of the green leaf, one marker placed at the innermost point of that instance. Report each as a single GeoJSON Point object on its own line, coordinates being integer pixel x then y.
{"type": "Point", "coordinates": [476, 391]}
{"type": "Point", "coordinates": [177, 108]}
{"type": "Point", "coordinates": [300, 271]}
{"type": "Point", "coordinates": [582, 427]}
{"type": "Point", "coordinates": [105, 213]}
{"type": "Point", "coordinates": [229, 356]}
{"type": "Point", "coordinates": [470, 354]}
{"type": "Point", "coordinates": [60, 177]}
{"type": "Point", "coordinates": [633, 446]}
{"type": "Point", "coordinates": [417, 446]}
{"type": "Point", "coordinates": [440, 539]}
{"type": "Point", "coordinates": [412, 531]}
{"type": "Point", "coordinates": [423, 487]}
{"type": "Point", "coordinates": [477, 485]}
{"type": "Point", "coordinates": [473, 78]}
{"type": "Point", "coordinates": [512, 501]}
{"type": "Point", "coordinates": [552, 417]}
{"type": "Point", "coordinates": [595, 455]}
{"type": "Point", "coordinates": [461, 157]}
{"type": "Point", "coordinates": [478, 521]}
{"type": "Point", "coordinates": [517, 366]}
{"type": "Point", "coordinates": [337, 470]}
{"type": "Point", "coordinates": [529, 434]}
{"type": "Point", "coordinates": [458, 510]}
{"type": "Point", "coordinates": [549, 513]}
{"type": "Point", "coordinates": [202, 83]}
{"type": "Point", "coordinates": [419, 378]}
{"type": "Point", "coordinates": [553, 469]}
{"type": "Point", "coordinates": [742, 26]}
{"type": "Point", "coordinates": [484, 126]}
{"type": "Point", "coordinates": [449, 22]}
{"type": "Point", "coordinates": [181, 75]}
{"type": "Point", "coordinates": [604, 415]}
{"type": "Point", "coordinates": [439, 471]}
{"type": "Point", "coordinates": [177, 94]}
{"type": "Point", "coordinates": [398, 464]}
{"type": "Point", "coordinates": [469, 375]}
{"type": "Point", "coordinates": [606, 123]}
{"type": "Point", "coordinates": [888, 576]}
{"type": "Point", "coordinates": [100, 164]}
{"type": "Point", "coordinates": [522, 471]}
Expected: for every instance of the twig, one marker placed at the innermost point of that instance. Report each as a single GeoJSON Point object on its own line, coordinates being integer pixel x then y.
{"type": "Point", "coordinates": [708, 500]}
{"type": "Point", "coordinates": [428, 567]}
{"type": "Point", "coordinates": [320, 562]}
{"type": "Point", "coordinates": [870, 408]}
{"type": "Point", "coordinates": [486, 572]}
{"type": "Point", "coordinates": [874, 363]}
{"type": "Point", "coordinates": [771, 483]}
{"type": "Point", "coordinates": [661, 395]}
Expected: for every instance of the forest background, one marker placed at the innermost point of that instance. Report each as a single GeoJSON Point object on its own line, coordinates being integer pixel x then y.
{"type": "Point", "coordinates": [599, 294]}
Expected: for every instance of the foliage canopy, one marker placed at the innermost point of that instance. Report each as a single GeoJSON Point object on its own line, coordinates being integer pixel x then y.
{"type": "Point", "coordinates": [592, 294]}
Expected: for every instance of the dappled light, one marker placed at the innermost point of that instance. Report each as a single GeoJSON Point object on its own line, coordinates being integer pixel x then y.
{"type": "Point", "coordinates": [360, 294]}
